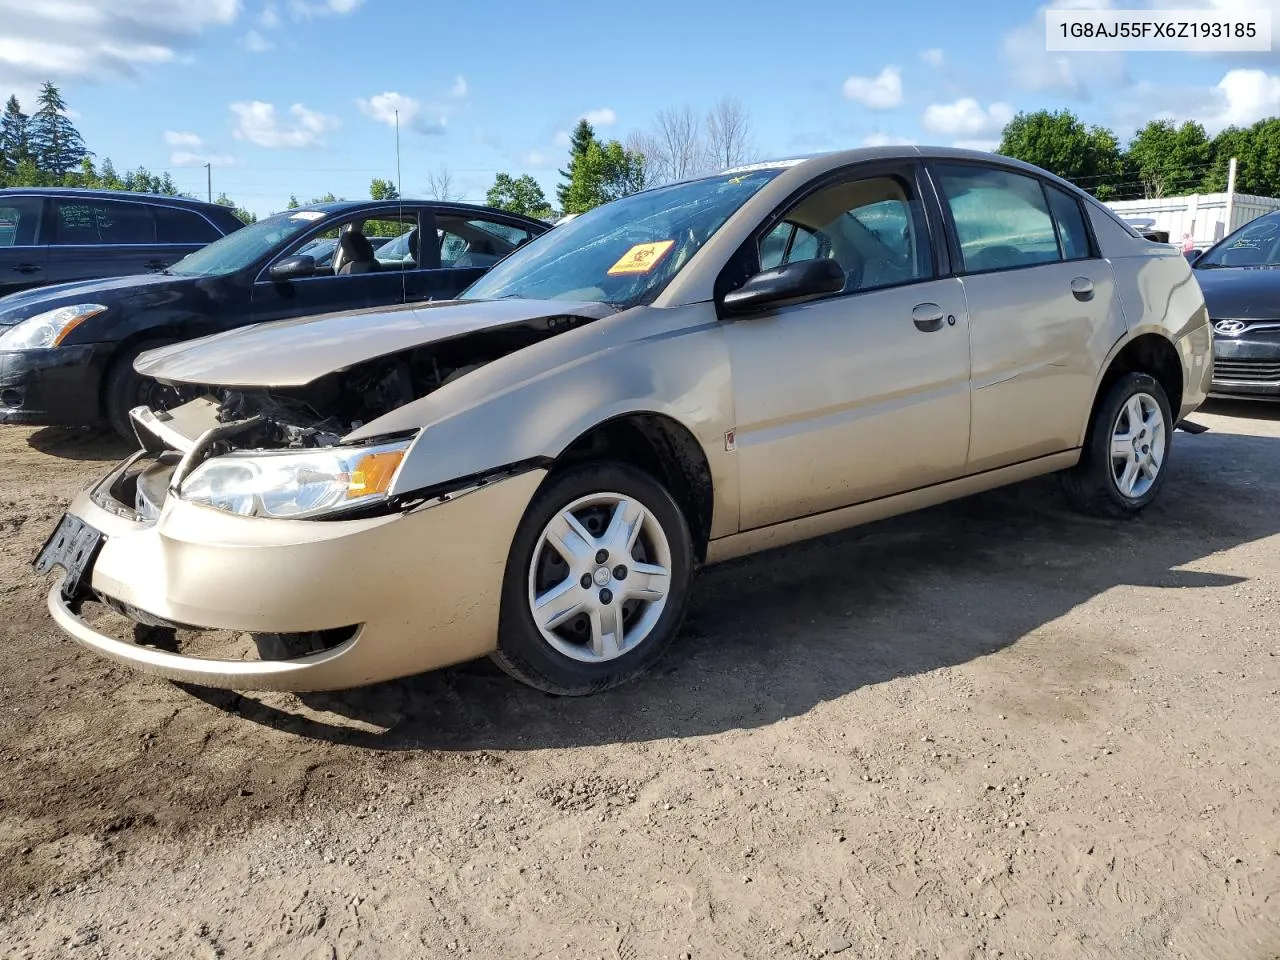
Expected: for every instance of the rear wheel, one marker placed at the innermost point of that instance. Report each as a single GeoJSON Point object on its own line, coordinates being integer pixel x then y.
{"type": "Point", "coordinates": [126, 389]}
{"type": "Point", "coordinates": [1126, 454]}
{"type": "Point", "coordinates": [596, 582]}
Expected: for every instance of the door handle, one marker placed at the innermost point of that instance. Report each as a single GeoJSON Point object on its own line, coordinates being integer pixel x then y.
{"type": "Point", "coordinates": [27, 268]}
{"type": "Point", "coordinates": [1082, 288]}
{"type": "Point", "coordinates": [927, 317]}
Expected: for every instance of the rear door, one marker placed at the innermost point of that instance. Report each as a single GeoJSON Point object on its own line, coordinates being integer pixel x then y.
{"type": "Point", "coordinates": [469, 245]}
{"type": "Point", "coordinates": [1042, 305]}
{"type": "Point", "coordinates": [22, 251]}
{"type": "Point", "coordinates": [392, 279]}
{"type": "Point", "coordinates": [94, 238]}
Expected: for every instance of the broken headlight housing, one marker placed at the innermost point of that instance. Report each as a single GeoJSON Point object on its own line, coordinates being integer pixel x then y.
{"type": "Point", "coordinates": [294, 484]}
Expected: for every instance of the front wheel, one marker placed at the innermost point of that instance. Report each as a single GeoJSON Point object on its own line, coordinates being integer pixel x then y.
{"type": "Point", "coordinates": [596, 583]}
{"type": "Point", "coordinates": [125, 389]}
{"type": "Point", "coordinates": [1126, 455]}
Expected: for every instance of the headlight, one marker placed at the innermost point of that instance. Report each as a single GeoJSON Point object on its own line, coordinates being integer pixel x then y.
{"type": "Point", "coordinates": [48, 329]}
{"type": "Point", "coordinates": [293, 483]}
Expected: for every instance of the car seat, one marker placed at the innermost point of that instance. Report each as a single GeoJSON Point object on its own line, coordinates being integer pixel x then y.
{"type": "Point", "coordinates": [355, 254]}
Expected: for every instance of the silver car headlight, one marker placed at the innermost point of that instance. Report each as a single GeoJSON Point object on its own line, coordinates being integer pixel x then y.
{"type": "Point", "coordinates": [295, 484]}
{"type": "Point", "coordinates": [48, 329]}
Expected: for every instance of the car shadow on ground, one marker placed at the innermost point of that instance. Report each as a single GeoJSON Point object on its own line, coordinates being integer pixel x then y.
{"type": "Point", "coordinates": [81, 443]}
{"type": "Point", "coordinates": [1242, 409]}
{"type": "Point", "coordinates": [772, 636]}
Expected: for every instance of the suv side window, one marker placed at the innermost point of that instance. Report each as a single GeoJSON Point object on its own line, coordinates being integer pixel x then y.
{"type": "Point", "coordinates": [19, 221]}
{"type": "Point", "coordinates": [102, 222]}
{"type": "Point", "coordinates": [1001, 218]}
{"type": "Point", "coordinates": [873, 228]}
{"type": "Point", "coordinates": [183, 226]}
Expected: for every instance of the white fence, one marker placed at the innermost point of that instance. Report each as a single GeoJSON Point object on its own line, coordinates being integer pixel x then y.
{"type": "Point", "coordinates": [1203, 215]}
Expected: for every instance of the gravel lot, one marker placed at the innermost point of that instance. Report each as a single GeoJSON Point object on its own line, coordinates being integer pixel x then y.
{"type": "Point", "coordinates": [990, 729]}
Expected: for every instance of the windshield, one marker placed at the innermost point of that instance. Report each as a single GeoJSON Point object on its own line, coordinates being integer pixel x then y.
{"type": "Point", "coordinates": [622, 253]}
{"type": "Point", "coordinates": [1256, 244]}
{"type": "Point", "coordinates": [244, 247]}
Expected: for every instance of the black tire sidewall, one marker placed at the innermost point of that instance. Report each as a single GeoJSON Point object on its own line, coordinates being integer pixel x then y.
{"type": "Point", "coordinates": [119, 392]}
{"type": "Point", "coordinates": [1100, 440]}
{"type": "Point", "coordinates": [522, 650]}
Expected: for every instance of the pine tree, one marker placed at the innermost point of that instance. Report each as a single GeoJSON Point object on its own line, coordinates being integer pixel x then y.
{"type": "Point", "coordinates": [584, 135]}
{"type": "Point", "coordinates": [14, 145]}
{"type": "Point", "coordinates": [55, 141]}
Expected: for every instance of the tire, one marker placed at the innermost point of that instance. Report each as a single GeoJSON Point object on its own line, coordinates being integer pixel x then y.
{"type": "Point", "coordinates": [581, 655]}
{"type": "Point", "coordinates": [1098, 485]}
{"type": "Point", "coordinates": [124, 389]}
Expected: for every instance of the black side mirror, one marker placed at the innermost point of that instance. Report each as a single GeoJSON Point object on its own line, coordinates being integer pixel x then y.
{"type": "Point", "coordinates": [293, 268]}
{"type": "Point", "coordinates": [785, 285]}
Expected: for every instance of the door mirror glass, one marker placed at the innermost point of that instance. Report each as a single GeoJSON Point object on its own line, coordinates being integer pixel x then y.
{"type": "Point", "coordinates": [784, 285]}
{"type": "Point", "coordinates": [294, 268]}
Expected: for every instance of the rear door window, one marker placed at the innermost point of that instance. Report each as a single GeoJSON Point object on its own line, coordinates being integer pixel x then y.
{"type": "Point", "coordinates": [1001, 218]}
{"type": "Point", "coordinates": [102, 222]}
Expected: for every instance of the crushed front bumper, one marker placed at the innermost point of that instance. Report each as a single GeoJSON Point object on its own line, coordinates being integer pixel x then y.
{"type": "Point", "coordinates": [421, 588]}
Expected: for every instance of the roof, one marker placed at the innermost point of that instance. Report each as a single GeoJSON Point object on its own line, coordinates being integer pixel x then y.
{"type": "Point", "coordinates": [97, 194]}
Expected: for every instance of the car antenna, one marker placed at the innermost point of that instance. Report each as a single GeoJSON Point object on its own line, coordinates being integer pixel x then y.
{"type": "Point", "coordinates": [404, 283]}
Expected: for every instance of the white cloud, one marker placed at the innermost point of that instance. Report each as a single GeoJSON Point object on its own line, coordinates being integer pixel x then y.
{"type": "Point", "coordinates": [604, 117]}
{"type": "Point", "coordinates": [562, 138]}
{"type": "Point", "coordinates": [255, 42]}
{"type": "Point", "coordinates": [306, 9]}
{"type": "Point", "coordinates": [184, 158]}
{"type": "Point", "coordinates": [966, 118]}
{"type": "Point", "coordinates": [537, 160]}
{"type": "Point", "coordinates": [1244, 97]}
{"type": "Point", "coordinates": [383, 107]}
{"type": "Point", "coordinates": [987, 146]}
{"type": "Point", "coordinates": [92, 39]}
{"type": "Point", "coordinates": [183, 140]}
{"type": "Point", "coordinates": [258, 123]}
{"type": "Point", "coordinates": [881, 92]}
{"type": "Point", "coordinates": [934, 57]}
{"type": "Point", "coordinates": [459, 89]}
{"type": "Point", "coordinates": [269, 19]}
{"type": "Point", "coordinates": [879, 139]}
{"type": "Point", "coordinates": [1075, 75]}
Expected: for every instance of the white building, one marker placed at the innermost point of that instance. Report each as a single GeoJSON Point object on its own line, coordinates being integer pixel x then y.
{"type": "Point", "coordinates": [1208, 217]}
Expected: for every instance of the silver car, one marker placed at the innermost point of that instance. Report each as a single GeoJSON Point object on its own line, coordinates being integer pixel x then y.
{"type": "Point", "coordinates": [682, 376]}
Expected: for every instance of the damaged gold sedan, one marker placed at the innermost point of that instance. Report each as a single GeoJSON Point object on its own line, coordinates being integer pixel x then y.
{"type": "Point", "coordinates": [693, 373]}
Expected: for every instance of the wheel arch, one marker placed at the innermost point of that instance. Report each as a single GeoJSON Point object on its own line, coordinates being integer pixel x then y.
{"type": "Point", "coordinates": [1151, 352]}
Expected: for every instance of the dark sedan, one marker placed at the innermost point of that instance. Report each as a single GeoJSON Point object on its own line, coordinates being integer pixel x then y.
{"type": "Point", "coordinates": [67, 351]}
{"type": "Point", "coordinates": [1240, 277]}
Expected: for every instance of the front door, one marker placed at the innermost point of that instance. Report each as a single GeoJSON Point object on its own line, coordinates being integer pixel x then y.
{"type": "Point", "coordinates": [864, 393]}
{"type": "Point", "coordinates": [1042, 305]}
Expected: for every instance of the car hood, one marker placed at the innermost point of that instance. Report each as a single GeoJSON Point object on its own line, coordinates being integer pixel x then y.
{"type": "Point", "coordinates": [293, 353]}
{"type": "Point", "coordinates": [113, 291]}
{"type": "Point", "coordinates": [1241, 293]}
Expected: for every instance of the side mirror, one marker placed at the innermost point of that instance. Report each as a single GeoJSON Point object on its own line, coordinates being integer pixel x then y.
{"type": "Point", "coordinates": [293, 268]}
{"type": "Point", "coordinates": [785, 285]}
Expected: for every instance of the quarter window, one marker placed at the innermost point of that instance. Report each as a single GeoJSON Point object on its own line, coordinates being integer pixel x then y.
{"type": "Point", "coordinates": [1071, 228]}
{"type": "Point", "coordinates": [872, 228]}
{"type": "Point", "coordinates": [103, 221]}
{"type": "Point", "coordinates": [1002, 219]}
{"type": "Point", "coordinates": [183, 226]}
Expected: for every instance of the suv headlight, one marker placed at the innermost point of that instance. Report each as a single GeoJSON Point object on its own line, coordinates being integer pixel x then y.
{"type": "Point", "coordinates": [295, 484]}
{"type": "Point", "coordinates": [48, 329]}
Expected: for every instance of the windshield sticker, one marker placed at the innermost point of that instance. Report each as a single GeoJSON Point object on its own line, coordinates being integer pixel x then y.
{"type": "Point", "coordinates": [307, 215]}
{"type": "Point", "coordinates": [641, 258]}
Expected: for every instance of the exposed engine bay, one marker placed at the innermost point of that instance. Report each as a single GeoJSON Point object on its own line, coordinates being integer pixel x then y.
{"type": "Point", "coordinates": [320, 413]}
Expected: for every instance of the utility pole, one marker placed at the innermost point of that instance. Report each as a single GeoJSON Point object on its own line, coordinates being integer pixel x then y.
{"type": "Point", "coordinates": [1231, 195]}
{"type": "Point", "coordinates": [208, 169]}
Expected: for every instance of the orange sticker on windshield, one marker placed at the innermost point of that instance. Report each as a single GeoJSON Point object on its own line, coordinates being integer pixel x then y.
{"type": "Point", "coordinates": [641, 258]}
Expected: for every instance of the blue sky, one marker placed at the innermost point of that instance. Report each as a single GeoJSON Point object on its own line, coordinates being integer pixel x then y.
{"type": "Point", "coordinates": [295, 96]}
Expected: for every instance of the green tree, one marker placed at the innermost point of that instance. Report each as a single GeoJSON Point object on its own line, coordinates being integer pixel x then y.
{"type": "Point", "coordinates": [55, 141]}
{"type": "Point", "coordinates": [108, 177]}
{"type": "Point", "coordinates": [584, 135]}
{"type": "Point", "coordinates": [603, 173]}
{"type": "Point", "coordinates": [293, 203]}
{"type": "Point", "coordinates": [14, 143]}
{"type": "Point", "coordinates": [1167, 159]}
{"type": "Point", "coordinates": [244, 215]}
{"type": "Point", "coordinates": [380, 189]}
{"type": "Point", "coordinates": [327, 198]}
{"type": "Point", "coordinates": [523, 196]}
{"type": "Point", "coordinates": [1060, 143]}
{"type": "Point", "coordinates": [1257, 151]}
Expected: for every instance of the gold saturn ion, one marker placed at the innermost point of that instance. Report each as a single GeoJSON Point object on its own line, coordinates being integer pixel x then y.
{"type": "Point", "coordinates": [700, 371]}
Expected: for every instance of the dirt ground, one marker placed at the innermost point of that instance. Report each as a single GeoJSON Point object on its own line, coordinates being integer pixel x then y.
{"type": "Point", "coordinates": [992, 729]}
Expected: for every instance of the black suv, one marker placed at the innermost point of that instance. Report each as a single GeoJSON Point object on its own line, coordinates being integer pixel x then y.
{"type": "Point", "coordinates": [56, 235]}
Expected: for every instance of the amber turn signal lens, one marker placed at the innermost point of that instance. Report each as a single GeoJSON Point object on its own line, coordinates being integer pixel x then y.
{"type": "Point", "coordinates": [373, 474]}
